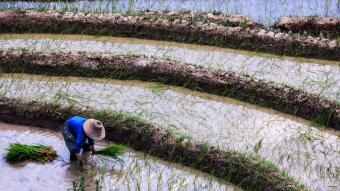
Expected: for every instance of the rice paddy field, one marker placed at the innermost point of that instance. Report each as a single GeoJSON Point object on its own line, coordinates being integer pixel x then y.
{"type": "Point", "coordinates": [136, 172]}
{"type": "Point", "coordinates": [205, 95]}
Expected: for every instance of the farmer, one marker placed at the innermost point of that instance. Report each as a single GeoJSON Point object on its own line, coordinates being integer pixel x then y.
{"type": "Point", "coordinates": [80, 134]}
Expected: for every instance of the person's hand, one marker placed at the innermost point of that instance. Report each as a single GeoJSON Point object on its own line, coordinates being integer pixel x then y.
{"type": "Point", "coordinates": [80, 159]}
{"type": "Point", "coordinates": [84, 160]}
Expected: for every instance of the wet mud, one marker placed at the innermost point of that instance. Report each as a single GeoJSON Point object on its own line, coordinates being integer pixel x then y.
{"type": "Point", "coordinates": [329, 27]}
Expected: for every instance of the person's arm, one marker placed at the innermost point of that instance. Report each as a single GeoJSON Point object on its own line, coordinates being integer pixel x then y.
{"type": "Point", "coordinates": [79, 143]}
{"type": "Point", "coordinates": [80, 159]}
{"type": "Point", "coordinates": [91, 143]}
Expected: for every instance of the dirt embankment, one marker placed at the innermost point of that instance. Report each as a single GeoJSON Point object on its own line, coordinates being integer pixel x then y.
{"type": "Point", "coordinates": [329, 27]}
{"type": "Point", "coordinates": [179, 29]}
{"type": "Point", "coordinates": [249, 173]}
{"type": "Point", "coordinates": [201, 18]}
{"type": "Point", "coordinates": [287, 100]}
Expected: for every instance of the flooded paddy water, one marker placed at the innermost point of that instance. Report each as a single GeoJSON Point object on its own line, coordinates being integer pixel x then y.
{"type": "Point", "coordinates": [309, 155]}
{"type": "Point", "coordinates": [318, 77]}
{"type": "Point", "coordinates": [262, 11]}
{"type": "Point", "coordinates": [136, 172]}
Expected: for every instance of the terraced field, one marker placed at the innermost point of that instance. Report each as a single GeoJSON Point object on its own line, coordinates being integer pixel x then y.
{"type": "Point", "coordinates": [138, 171]}
{"type": "Point", "coordinates": [204, 101]}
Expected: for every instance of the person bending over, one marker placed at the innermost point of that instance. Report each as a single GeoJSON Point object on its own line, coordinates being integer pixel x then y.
{"type": "Point", "coordinates": [80, 134]}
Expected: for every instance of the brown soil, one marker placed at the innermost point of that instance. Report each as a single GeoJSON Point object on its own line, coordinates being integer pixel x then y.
{"type": "Point", "coordinates": [329, 27]}
{"type": "Point", "coordinates": [216, 18]}
{"type": "Point", "coordinates": [249, 173]}
{"type": "Point", "coordinates": [162, 28]}
{"type": "Point", "coordinates": [286, 99]}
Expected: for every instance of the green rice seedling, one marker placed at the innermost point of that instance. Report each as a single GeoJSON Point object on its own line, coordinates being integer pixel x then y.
{"type": "Point", "coordinates": [20, 152]}
{"type": "Point", "coordinates": [113, 151]}
{"type": "Point", "coordinates": [258, 146]}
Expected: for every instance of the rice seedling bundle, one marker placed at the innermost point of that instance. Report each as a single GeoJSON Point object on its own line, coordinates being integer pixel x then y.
{"type": "Point", "coordinates": [20, 152]}
{"type": "Point", "coordinates": [113, 151]}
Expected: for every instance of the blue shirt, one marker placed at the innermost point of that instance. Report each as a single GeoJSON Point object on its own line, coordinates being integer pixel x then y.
{"type": "Point", "coordinates": [75, 124]}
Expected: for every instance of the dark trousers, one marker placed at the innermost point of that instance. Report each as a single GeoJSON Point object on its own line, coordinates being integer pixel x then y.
{"type": "Point", "coordinates": [70, 141]}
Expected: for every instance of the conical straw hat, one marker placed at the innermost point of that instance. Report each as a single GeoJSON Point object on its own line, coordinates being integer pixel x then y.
{"type": "Point", "coordinates": [94, 129]}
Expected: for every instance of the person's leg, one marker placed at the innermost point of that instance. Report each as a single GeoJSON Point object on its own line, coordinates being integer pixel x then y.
{"type": "Point", "coordinates": [73, 156]}
{"type": "Point", "coordinates": [70, 141]}
{"type": "Point", "coordinates": [86, 147]}
{"type": "Point", "coordinates": [86, 152]}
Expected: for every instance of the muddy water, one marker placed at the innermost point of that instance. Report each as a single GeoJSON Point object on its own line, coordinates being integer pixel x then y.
{"type": "Point", "coordinates": [314, 76]}
{"type": "Point", "coordinates": [309, 155]}
{"type": "Point", "coordinates": [263, 11]}
{"type": "Point", "coordinates": [136, 170]}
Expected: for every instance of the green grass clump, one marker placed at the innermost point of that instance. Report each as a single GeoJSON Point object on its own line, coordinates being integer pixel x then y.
{"type": "Point", "coordinates": [113, 151]}
{"type": "Point", "coordinates": [20, 152]}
